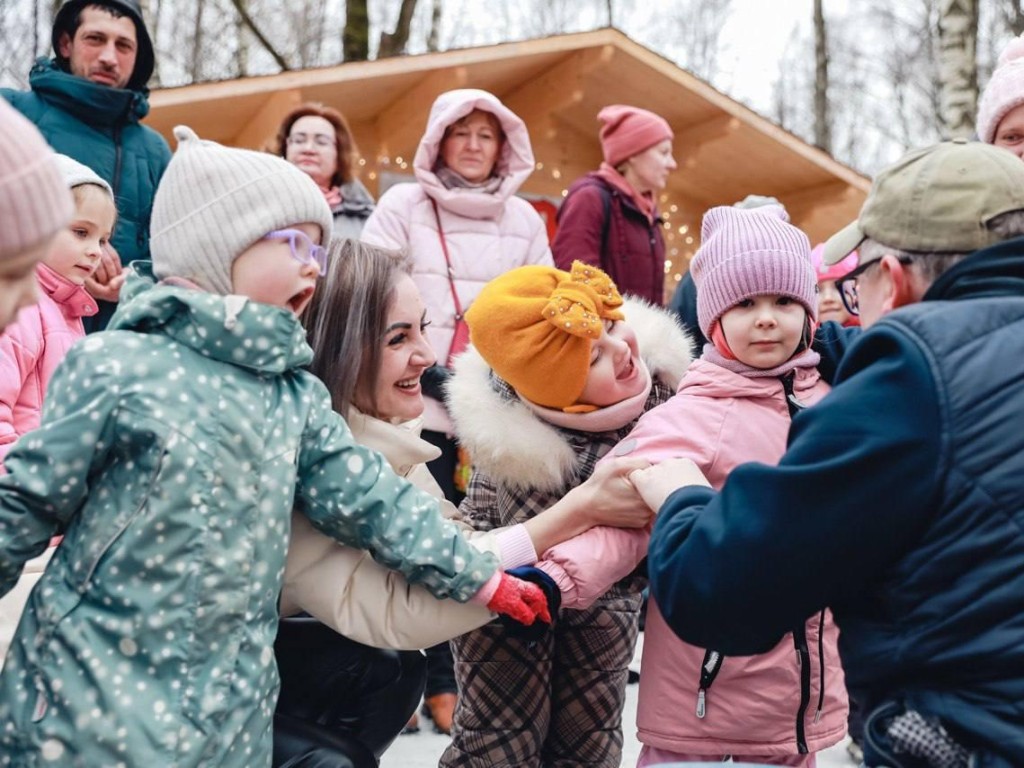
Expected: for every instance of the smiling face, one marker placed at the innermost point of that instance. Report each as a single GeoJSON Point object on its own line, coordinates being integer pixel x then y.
{"type": "Point", "coordinates": [78, 248]}
{"type": "Point", "coordinates": [312, 146]}
{"type": "Point", "coordinates": [103, 49]}
{"type": "Point", "coordinates": [830, 303]}
{"type": "Point", "coordinates": [267, 272]}
{"type": "Point", "coordinates": [405, 355]}
{"type": "Point", "coordinates": [471, 145]}
{"type": "Point", "coordinates": [615, 373]}
{"type": "Point", "coordinates": [648, 171]}
{"type": "Point", "coordinates": [764, 331]}
{"type": "Point", "coordinates": [1010, 131]}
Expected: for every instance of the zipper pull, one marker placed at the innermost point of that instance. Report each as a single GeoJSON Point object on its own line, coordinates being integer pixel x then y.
{"type": "Point", "coordinates": [701, 709]}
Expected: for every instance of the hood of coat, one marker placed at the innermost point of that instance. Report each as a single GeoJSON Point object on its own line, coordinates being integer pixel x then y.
{"type": "Point", "coordinates": [231, 329]}
{"type": "Point", "coordinates": [515, 163]}
{"type": "Point", "coordinates": [706, 379]}
{"type": "Point", "coordinates": [510, 442]}
{"type": "Point", "coordinates": [93, 104]}
{"type": "Point", "coordinates": [355, 200]}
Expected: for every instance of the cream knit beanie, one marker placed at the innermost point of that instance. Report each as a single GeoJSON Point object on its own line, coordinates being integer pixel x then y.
{"type": "Point", "coordinates": [75, 175]}
{"type": "Point", "coordinates": [213, 202]}
{"type": "Point", "coordinates": [35, 202]}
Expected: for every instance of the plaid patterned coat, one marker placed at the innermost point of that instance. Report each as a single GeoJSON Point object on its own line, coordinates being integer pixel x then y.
{"type": "Point", "coordinates": [557, 701]}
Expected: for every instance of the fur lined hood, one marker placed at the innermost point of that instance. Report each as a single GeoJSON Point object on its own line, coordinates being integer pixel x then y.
{"type": "Point", "coordinates": [511, 443]}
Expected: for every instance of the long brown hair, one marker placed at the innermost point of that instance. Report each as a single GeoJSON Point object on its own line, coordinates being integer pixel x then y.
{"type": "Point", "coordinates": [346, 318]}
{"type": "Point", "coordinates": [343, 140]}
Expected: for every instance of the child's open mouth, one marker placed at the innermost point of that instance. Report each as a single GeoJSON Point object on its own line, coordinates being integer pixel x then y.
{"type": "Point", "coordinates": [298, 302]}
{"type": "Point", "coordinates": [628, 370]}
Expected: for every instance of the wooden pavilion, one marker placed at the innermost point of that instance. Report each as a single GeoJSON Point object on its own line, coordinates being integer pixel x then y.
{"type": "Point", "coordinates": [557, 85]}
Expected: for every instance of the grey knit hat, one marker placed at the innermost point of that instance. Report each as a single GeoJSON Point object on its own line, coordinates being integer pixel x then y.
{"type": "Point", "coordinates": [75, 174]}
{"type": "Point", "coordinates": [213, 202]}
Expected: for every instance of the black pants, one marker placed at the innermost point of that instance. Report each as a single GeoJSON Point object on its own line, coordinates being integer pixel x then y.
{"type": "Point", "coordinates": [440, 666]}
{"type": "Point", "coordinates": [342, 703]}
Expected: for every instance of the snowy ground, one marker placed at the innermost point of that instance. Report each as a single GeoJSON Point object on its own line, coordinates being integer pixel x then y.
{"type": "Point", "coordinates": [423, 749]}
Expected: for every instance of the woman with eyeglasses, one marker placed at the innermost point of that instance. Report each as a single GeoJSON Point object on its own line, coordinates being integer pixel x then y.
{"type": "Point", "coordinates": [317, 140]}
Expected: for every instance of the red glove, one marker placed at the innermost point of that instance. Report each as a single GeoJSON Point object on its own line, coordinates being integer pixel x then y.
{"type": "Point", "coordinates": [520, 600]}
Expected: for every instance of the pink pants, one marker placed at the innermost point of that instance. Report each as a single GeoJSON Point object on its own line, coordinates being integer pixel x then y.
{"type": "Point", "coordinates": [652, 756]}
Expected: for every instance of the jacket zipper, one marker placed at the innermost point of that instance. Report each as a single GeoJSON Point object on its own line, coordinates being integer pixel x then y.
{"type": "Point", "coordinates": [803, 657]}
{"type": "Point", "coordinates": [117, 161]}
{"type": "Point", "coordinates": [821, 666]}
{"type": "Point", "coordinates": [709, 670]}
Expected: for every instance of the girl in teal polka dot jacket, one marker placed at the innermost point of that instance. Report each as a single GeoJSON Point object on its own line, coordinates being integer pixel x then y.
{"type": "Point", "coordinates": [172, 450]}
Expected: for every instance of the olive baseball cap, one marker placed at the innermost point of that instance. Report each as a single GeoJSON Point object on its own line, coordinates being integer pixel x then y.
{"type": "Point", "coordinates": [939, 199]}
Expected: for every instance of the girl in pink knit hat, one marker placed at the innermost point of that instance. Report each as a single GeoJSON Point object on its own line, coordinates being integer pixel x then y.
{"type": "Point", "coordinates": [757, 303]}
{"type": "Point", "coordinates": [610, 217]}
{"type": "Point", "coordinates": [1001, 107]}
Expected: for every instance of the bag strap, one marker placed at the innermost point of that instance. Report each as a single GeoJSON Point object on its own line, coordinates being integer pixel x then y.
{"type": "Point", "coordinates": [447, 261]}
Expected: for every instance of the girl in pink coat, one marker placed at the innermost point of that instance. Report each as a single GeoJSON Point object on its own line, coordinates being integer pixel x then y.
{"type": "Point", "coordinates": [31, 348]}
{"type": "Point", "coordinates": [757, 302]}
{"type": "Point", "coordinates": [33, 345]}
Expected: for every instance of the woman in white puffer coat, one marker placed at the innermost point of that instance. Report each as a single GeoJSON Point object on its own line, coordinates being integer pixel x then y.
{"type": "Point", "coordinates": [473, 157]}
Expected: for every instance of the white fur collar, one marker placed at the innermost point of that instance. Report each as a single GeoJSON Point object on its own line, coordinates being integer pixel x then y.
{"type": "Point", "coordinates": [511, 443]}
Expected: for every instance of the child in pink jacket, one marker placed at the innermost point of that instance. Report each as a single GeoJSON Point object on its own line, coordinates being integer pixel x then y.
{"type": "Point", "coordinates": [757, 302]}
{"type": "Point", "coordinates": [31, 347]}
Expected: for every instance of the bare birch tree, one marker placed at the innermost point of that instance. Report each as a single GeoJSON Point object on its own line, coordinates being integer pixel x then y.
{"type": "Point", "coordinates": [958, 66]}
{"type": "Point", "coordinates": [822, 121]}
{"type": "Point", "coordinates": [394, 43]}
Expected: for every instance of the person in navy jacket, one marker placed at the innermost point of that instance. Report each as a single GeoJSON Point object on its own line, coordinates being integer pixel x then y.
{"type": "Point", "coordinates": [900, 500]}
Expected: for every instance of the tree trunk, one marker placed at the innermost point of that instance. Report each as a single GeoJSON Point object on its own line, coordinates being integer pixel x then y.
{"type": "Point", "coordinates": [434, 36]}
{"type": "Point", "coordinates": [958, 66]}
{"type": "Point", "coordinates": [822, 118]}
{"type": "Point", "coordinates": [1013, 16]}
{"type": "Point", "coordinates": [611, 20]}
{"type": "Point", "coordinates": [244, 14]}
{"type": "Point", "coordinates": [394, 43]}
{"type": "Point", "coordinates": [195, 67]}
{"type": "Point", "coordinates": [355, 38]}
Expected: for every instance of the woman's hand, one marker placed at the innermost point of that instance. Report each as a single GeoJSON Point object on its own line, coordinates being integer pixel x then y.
{"type": "Point", "coordinates": [610, 498]}
{"type": "Point", "coordinates": [658, 482]}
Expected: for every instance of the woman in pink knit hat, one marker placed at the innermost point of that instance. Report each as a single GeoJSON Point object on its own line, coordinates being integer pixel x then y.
{"type": "Point", "coordinates": [610, 217]}
{"type": "Point", "coordinates": [1001, 107]}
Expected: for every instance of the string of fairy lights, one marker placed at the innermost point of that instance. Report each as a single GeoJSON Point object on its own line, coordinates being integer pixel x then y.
{"type": "Point", "coordinates": [680, 243]}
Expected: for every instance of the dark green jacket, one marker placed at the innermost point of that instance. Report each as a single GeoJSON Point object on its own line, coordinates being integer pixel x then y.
{"type": "Point", "coordinates": [99, 126]}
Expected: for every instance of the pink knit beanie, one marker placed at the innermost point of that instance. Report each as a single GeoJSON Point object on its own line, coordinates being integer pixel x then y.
{"type": "Point", "coordinates": [625, 131]}
{"type": "Point", "coordinates": [35, 203]}
{"type": "Point", "coordinates": [835, 271]}
{"type": "Point", "coordinates": [746, 253]}
{"type": "Point", "coordinates": [1004, 92]}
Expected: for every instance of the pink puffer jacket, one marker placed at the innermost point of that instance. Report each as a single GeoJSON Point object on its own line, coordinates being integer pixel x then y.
{"type": "Point", "coordinates": [719, 419]}
{"type": "Point", "coordinates": [487, 234]}
{"type": "Point", "coordinates": [31, 349]}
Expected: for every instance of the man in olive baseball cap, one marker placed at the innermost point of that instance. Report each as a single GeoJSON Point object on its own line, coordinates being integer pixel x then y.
{"type": "Point", "coordinates": [899, 502]}
{"type": "Point", "coordinates": [930, 208]}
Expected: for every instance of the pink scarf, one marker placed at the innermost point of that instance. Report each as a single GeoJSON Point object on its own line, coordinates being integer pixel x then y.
{"type": "Point", "coordinates": [332, 195]}
{"type": "Point", "coordinates": [644, 201]}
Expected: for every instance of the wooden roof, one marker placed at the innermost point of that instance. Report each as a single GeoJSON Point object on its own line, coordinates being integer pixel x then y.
{"type": "Point", "coordinates": [557, 85]}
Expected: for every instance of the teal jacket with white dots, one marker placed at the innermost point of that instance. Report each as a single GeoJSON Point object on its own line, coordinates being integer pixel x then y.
{"type": "Point", "coordinates": [172, 451]}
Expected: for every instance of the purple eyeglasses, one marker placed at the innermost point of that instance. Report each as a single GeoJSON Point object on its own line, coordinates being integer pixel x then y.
{"type": "Point", "coordinates": [304, 250]}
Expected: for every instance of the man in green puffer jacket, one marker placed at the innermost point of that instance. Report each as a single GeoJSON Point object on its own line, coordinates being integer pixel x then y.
{"type": "Point", "coordinates": [87, 102]}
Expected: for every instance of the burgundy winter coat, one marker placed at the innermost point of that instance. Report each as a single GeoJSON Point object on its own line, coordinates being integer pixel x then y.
{"type": "Point", "coordinates": [628, 248]}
